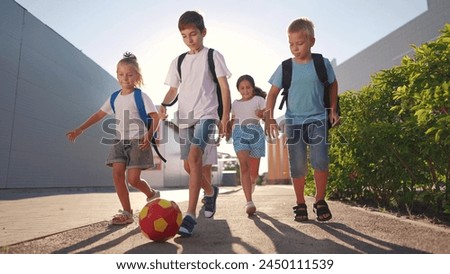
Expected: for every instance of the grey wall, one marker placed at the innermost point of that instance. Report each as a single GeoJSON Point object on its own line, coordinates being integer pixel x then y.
{"type": "Point", "coordinates": [388, 52]}
{"type": "Point", "coordinates": [47, 88]}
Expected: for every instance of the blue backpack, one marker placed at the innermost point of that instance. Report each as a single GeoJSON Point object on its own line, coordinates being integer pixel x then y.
{"type": "Point", "coordinates": [142, 114]}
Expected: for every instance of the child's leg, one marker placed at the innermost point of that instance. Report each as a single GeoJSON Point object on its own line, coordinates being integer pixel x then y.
{"type": "Point", "coordinates": [206, 177]}
{"type": "Point", "coordinates": [135, 180]}
{"type": "Point", "coordinates": [299, 188]}
{"type": "Point", "coordinates": [195, 177]}
{"type": "Point", "coordinates": [120, 185]}
{"type": "Point", "coordinates": [246, 182]}
{"type": "Point", "coordinates": [206, 180]}
{"type": "Point", "coordinates": [254, 169]}
{"type": "Point", "coordinates": [320, 178]}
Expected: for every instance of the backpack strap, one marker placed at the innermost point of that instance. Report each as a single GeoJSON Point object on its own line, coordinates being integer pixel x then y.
{"type": "Point", "coordinates": [142, 114]}
{"type": "Point", "coordinates": [212, 69]}
{"type": "Point", "coordinates": [322, 74]}
{"type": "Point", "coordinates": [141, 108]}
{"type": "Point", "coordinates": [286, 71]}
{"type": "Point", "coordinates": [113, 99]}
{"type": "Point", "coordinates": [179, 62]}
{"type": "Point", "coordinates": [147, 120]}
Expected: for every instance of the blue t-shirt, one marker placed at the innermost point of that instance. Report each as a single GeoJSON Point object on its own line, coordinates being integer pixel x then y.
{"type": "Point", "coordinates": [305, 100]}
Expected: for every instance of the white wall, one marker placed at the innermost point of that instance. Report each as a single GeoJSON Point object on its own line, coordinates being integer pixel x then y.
{"type": "Point", "coordinates": [388, 52]}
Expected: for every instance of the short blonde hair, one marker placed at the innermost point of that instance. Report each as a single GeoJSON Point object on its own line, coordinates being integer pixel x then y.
{"type": "Point", "coordinates": [130, 59]}
{"type": "Point", "coordinates": [302, 24]}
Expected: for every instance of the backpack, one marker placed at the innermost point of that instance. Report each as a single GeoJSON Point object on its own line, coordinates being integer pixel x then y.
{"type": "Point", "coordinates": [212, 69]}
{"type": "Point", "coordinates": [142, 114]}
{"type": "Point", "coordinates": [321, 72]}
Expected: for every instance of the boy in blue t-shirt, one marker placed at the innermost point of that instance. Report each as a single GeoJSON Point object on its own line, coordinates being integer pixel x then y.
{"type": "Point", "coordinates": [306, 118]}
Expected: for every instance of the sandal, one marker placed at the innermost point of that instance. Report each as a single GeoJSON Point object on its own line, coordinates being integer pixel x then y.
{"type": "Point", "coordinates": [322, 211]}
{"type": "Point", "coordinates": [156, 194]}
{"type": "Point", "coordinates": [301, 213]}
{"type": "Point", "coordinates": [122, 218]}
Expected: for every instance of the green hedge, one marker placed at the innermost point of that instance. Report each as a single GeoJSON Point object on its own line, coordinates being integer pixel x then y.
{"type": "Point", "coordinates": [393, 145]}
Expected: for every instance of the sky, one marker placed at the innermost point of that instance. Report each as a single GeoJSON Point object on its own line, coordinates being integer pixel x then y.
{"type": "Point", "coordinates": [251, 34]}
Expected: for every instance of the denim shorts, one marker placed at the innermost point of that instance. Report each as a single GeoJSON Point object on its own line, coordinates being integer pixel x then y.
{"type": "Point", "coordinates": [128, 152]}
{"type": "Point", "coordinates": [200, 134]}
{"type": "Point", "coordinates": [299, 137]}
{"type": "Point", "coordinates": [251, 138]}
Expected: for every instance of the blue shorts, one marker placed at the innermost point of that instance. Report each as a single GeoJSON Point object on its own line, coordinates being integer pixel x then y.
{"type": "Point", "coordinates": [200, 134]}
{"type": "Point", "coordinates": [251, 138]}
{"type": "Point", "coordinates": [128, 152]}
{"type": "Point", "coordinates": [298, 138]}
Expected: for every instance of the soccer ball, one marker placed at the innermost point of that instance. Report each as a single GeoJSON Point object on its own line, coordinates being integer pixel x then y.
{"type": "Point", "coordinates": [160, 220]}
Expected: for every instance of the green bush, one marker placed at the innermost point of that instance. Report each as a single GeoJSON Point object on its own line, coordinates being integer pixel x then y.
{"type": "Point", "coordinates": [393, 145]}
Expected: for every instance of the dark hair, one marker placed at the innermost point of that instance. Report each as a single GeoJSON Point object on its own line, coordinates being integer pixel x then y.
{"type": "Point", "coordinates": [130, 59]}
{"type": "Point", "coordinates": [191, 18]}
{"type": "Point", "coordinates": [258, 91]}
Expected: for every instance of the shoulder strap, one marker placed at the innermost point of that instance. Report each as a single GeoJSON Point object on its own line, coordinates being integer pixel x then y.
{"type": "Point", "coordinates": [147, 120]}
{"type": "Point", "coordinates": [212, 69]}
{"type": "Point", "coordinates": [179, 62]}
{"type": "Point", "coordinates": [141, 107]}
{"type": "Point", "coordinates": [322, 74]}
{"type": "Point", "coordinates": [321, 70]}
{"type": "Point", "coordinates": [286, 71]}
{"type": "Point", "coordinates": [113, 99]}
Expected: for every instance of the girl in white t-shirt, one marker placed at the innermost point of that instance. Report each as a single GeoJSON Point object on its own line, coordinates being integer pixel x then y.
{"type": "Point", "coordinates": [248, 135]}
{"type": "Point", "coordinates": [130, 151]}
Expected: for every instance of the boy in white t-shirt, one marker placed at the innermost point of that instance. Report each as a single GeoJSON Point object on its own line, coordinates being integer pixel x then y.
{"type": "Point", "coordinates": [197, 109]}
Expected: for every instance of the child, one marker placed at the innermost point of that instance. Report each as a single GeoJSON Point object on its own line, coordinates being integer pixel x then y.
{"type": "Point", "coordinates": [248, 135]}
{"type": "Point", "coordinates": [197, 109]}
{"type": "Point", "coordinates": [131, 151]}
{"type": "Point", "coordinates": [305, 118]}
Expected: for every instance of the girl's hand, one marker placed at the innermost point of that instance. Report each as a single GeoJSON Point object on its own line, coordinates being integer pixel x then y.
{"type": "Point", "coordinates": [72, 135]}
{"type": "Point", "coordinates": [144, 143]}
{"type": "Point", "coordinates": [260, 113]}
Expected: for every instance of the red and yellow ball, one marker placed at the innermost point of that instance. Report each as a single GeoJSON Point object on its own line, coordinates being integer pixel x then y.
{"type": "Point", "coordinates": [160, 220]}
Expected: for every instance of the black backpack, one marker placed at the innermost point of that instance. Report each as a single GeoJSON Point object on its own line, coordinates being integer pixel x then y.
{"type": "Point", "coordinates": [212, 69]}
{"type": "Point", "coordinates": [321, 72]}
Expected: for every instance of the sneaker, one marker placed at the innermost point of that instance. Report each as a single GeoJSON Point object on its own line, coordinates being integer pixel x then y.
{"type": "Point", "coordinates": [210, 203]}
{"type": "Point", "coordinates": [250, 208]}
{"type": "Point", "coordinates": [122, 218]}
{"type": "Point", "coordinates": [156, 194]}
{"type": "Point", "coordinates": [187, 226]}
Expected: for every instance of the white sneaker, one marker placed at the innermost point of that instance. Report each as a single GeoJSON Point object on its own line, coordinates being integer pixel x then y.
{"type": "Point", "coordinates": [250, 208]}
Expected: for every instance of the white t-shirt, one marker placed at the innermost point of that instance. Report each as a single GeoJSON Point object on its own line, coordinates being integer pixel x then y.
{"type": "Point", "coordinates": [197, 97]}
{"type": "Point", "coordinates": [244, 112]}
{"type": "Point", "coordinates": [128, 123]}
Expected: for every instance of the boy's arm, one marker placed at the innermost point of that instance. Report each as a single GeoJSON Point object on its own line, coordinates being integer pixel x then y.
{"type": "Point", "coordinates": [334, 116]}
{"type": "Point", "coordinates": [168, 99]}
{"type": "Point", "coordinates": [226, 102]}
{"type": "Point", "coordinates": [72, 135]}
{"type": "Point", "coordinates": [270, 125]}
